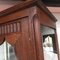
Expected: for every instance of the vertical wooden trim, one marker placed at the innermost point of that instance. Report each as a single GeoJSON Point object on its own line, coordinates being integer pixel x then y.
{"type": "Point", "coordinates": [15, 27]}
{"type": "Point", "coordinates": [32, 39]}
{"type": "Point", "coordinates": [18, 26]}
{"type": "Point", "coordinates": [24, 42]}
{"type": "Point", "coordinates": [2, 29]}
{"type": "Point", "coordinates": [2, 39]}
{"type": "Point", "coordinates": [57, 46]}
{"type": "Point", "coordinates": [5, 29]}
{"type": "Point", "coordinates": [38, 39]}
{"type": "Point", "coordinates": [11, 27]}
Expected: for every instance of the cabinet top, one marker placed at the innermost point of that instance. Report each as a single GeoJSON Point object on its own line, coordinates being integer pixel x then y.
{"type": "Point", "coordinates": [26, 4]}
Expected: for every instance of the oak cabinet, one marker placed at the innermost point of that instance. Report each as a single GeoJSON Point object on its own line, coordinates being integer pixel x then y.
{"type": "Point", "coordinates": [30, 28]}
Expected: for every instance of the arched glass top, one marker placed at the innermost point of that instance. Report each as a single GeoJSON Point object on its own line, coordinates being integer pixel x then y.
{"type": "Point", "coordinates": [7, 52]}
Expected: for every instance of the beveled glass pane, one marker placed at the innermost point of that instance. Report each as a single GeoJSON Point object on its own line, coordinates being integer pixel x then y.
{"type": "Point", "coordinates": [11, 53]}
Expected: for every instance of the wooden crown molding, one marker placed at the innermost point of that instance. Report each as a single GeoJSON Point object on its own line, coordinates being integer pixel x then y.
{"type": "Point", "coordinates": [27, 4]}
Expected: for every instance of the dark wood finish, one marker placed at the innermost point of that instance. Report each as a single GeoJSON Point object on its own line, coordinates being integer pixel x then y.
{"type": "Point", "coordinates": [52, 3]}
{"type": "Point", "coordinates": [45, 20]}
{"type": "Point", "coordinates": [38, 39]}
{"type": "Point", "coordinates": [12, 38]}
{"type": "Point", "coordinates": [1, 40]}
{"type": "Point", "coordinates": [20, 26]}
{"type": "Point", "coordinates": [57, 44]}
{"type": "Point", "coordinates": [26, 4]}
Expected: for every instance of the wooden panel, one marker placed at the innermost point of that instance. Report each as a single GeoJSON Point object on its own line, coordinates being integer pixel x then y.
{"type": "Point", "coordinates": [25, 39]}
{"type": "Point", "coordinates": [45, 19]}
{"type": "Point", "coordinates": [24, 46]}
{"type": "Point", "coordinates": [14, 16]}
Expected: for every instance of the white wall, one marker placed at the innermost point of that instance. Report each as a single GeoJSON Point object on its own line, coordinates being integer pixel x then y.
{"type": "Point", "coordinates": [57, 15]}
{"type": "Point", "coordinates": [7, 4]}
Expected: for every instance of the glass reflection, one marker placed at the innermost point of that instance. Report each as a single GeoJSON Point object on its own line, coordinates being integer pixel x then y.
{"type": "Point", "coordinates": [11, 53]}
{"type": "Point", "coordinates": [49, 46]}
{"type": "Point", "coordinates": [2, 56]}
{"type": "Point", "coordinates": [7, 52]}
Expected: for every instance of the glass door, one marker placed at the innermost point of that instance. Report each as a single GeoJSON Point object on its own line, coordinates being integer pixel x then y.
{"type": "Point", "coordinates": [49, 43]}
{"type": "Point", "coordinates": [7, 52]}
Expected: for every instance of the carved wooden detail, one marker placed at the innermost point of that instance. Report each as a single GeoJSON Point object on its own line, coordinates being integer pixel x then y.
{"type": "Point", "coordinates": [10, 27]}
{"type": "Point", "coordinates": [12, 38]}
{"type": "Point", "coordinates": [2, 39]}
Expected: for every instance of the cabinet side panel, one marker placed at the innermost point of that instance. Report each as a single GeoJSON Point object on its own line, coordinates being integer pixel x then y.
{"type": "Point", "coordinates": [45, 19]}
{"type": "Point", "coordinates": [25, 46]}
